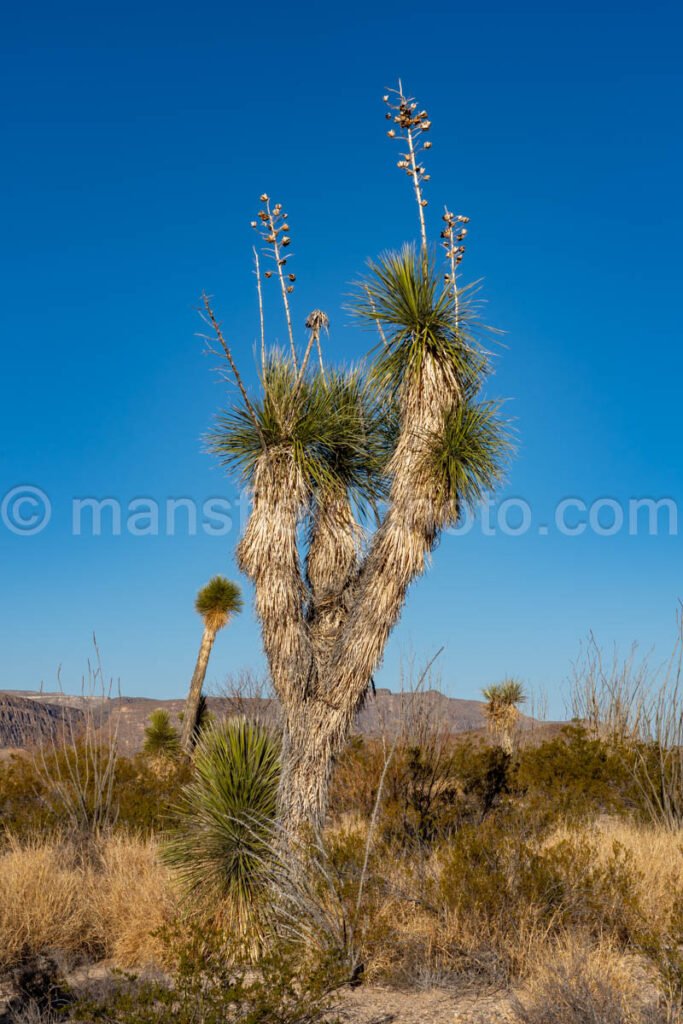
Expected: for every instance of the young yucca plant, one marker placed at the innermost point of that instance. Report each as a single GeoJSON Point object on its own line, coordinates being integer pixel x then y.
{"type": "Point", "coordinates": [406, 435]}
{"type": "Point", "coordinates": [502, 710]}
{"type": "Point", "coordinates": [160, 735]}
{"type": "Point", "coordinates": [217, 602]}
{"type": "Point", "coordinates": [221, 845]}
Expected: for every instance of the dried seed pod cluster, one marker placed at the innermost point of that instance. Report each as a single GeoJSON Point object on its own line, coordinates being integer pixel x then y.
{"type": "Point", "coordinates": [453, 236]}
{"type": "Point", "coordinates": [274, 230]}
{"type": "Point", "coordinates": [412, 124]}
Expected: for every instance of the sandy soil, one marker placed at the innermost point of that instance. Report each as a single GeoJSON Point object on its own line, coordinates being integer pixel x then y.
{"type": "Point", "coordinates": [386, 1006]}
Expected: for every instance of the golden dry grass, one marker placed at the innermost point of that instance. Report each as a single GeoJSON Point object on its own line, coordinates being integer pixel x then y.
{"type": "Point", "coordinates": [42, 903]}
{"type": "Point", "coordinates": [131, 899]}
{"type": "Point", "coordinates": [108, 905]}
{"type": "Point", "coordinates": [574, 981]}
{"type": "Point", "coordinates": [656, 856]}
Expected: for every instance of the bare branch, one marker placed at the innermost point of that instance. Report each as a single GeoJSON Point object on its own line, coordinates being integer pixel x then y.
{"type": "Point", "coordinates": [233, 366]}
{"type": "Point", "coordinates": [373, 307]}
{"type": "Point", "coordinates": [260, 309]}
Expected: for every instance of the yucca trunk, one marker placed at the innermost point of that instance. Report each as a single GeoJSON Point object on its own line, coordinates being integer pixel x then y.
{"type": "Point", "coordinates": [351, 610]}
{"type": "Point", "coordinates": [269, 555]}
{"type": "Point", "coordinates": [194, 696]}
{"type": "Point", "coordinates": [308, 751]}
{"type": "Point", "coordinates": [401, 546]}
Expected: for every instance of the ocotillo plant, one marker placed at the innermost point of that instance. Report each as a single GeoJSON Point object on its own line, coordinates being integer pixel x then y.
{"type": "Point", "coordinates": [406, 435]}
{"type": "Point", "coordinates": [217, 602]}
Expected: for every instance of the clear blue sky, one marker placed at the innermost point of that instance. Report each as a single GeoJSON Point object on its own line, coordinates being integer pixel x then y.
{"type": "Point", "coordinates": [137, 139]}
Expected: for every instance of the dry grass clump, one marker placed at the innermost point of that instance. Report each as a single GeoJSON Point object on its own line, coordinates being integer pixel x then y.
{"type": "Point", "coordinates": [42, 903]}
{"type": "Point", "coordinates": [578, 983]}
{"type": "Point", "coordinates": [131, 898]}
{"type": "Point", "coordinates": [656, 859]}
{"type": "Point", "coordinates": [108, 904]}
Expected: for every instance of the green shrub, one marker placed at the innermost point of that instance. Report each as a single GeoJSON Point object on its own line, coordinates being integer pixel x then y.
{"type": "Point", "coordinates": [576, 775]}
{"type": "Point", "coordinates": [209, 985]}
{"type": "Point", "coordinates": [144, 795]}
{"type": "Point", "coordinates": [502, 884]}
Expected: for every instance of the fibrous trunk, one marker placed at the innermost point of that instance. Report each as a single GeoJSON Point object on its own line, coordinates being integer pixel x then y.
{"type": "Point", "coordinates": [324, 640]}
{"type": "Point", "coordinates": [194, 696]}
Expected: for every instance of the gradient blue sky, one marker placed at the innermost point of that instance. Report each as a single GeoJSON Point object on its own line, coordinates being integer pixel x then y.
{"type": "Point", "coordinates": [137, 139]}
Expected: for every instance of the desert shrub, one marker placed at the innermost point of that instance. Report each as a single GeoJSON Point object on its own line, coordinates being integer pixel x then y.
{"type": "Point", "coordinates": [501, 888]}
{"type": "Point", "coordinates": [208, 984]}
{"type": "Point", "coordinates": [580, 983]}
{"type": "Point", "coordinates": [22, 810]}
{"type": "Point", "coordinates": [148, 791]}
{"type": "Point", "coordinates": [224, 829]}
{"type": "Point", "coordinates": [575, 775]}
{"type": "Point", "coordinates": [145, 792]}
{"type": "Point", "coordinates": [429, 789]}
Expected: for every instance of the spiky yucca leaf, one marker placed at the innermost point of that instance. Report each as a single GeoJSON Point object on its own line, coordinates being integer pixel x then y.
{"type": "Point", "coordinates": [160, 735]}
{"type": "Point", "coordinates": [402, 294]}
{"type": "Point", "coordinates": [334, 427]}
{"type": "Point", "coordinates": [226, 817]}
{"type": "Point", "coordinates": [218, 600]}
{"type": "Point", "coordinates": [468, 456]}
{"type": "Point", "coordinates": [219, 595]}
{"type": "Point", "coordinates": [509, 693]}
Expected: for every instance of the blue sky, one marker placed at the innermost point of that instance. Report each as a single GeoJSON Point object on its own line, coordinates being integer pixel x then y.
{"type": "Point", "coordinates": [137, 141]}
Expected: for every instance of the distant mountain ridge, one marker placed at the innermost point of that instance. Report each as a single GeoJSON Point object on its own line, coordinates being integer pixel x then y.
{"type": "Point", "coordinates": [29, 717]}
{"type": "Point", "coordinates": [28, 721]}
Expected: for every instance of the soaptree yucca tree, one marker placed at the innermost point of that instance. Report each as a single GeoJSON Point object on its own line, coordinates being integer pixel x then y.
{"type": "Point", "coordinates": [502, 710]}
{"type": "Point", "coordinates": [354, 473]}
{"type": "Point", "coordinates": [216, 602]}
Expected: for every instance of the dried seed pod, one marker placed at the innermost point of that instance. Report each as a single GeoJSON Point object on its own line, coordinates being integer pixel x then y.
{"type": "Point", "coordinates": [264, 198]}
{"type": "Point", "coordinates": [317, 321]}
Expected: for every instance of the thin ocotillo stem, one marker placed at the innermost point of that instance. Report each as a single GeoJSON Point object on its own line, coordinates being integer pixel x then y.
{"type": "Point", "coordinates": [233, 366]}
